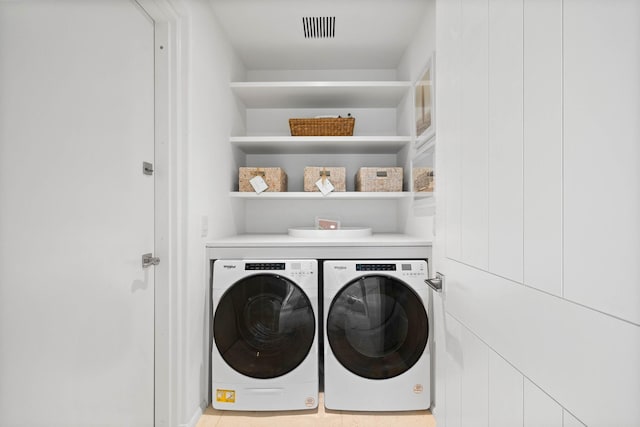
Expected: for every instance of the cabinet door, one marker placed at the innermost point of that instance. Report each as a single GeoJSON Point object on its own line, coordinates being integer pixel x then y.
{"type": "Point", "coordinates": [543, 145]}
{"type": "Point", "coordinates": [539, 408]}
{"type": "Point", "coordinates": [569, 420]}
{"type": "Point", "coordinates": [474, 134]}
{"type": "Point", "coordinates": [475, 380]}
{"type": "Point", "coordinates": [505, 141]}
{"type": "Point", "coordinates": [467, 376]}
{"type": "Point", "coordinates": [602, 155]}
{"type": "Point", "coordinates": [505, 393]}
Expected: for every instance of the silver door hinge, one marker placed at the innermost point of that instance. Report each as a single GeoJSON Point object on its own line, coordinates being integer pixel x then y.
{"type": "Point", "coordinates": [148, 260]}
{"type": "Point", "coordinates": [147, 168]}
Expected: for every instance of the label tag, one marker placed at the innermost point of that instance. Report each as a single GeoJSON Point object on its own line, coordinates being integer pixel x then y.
{"type": "Point", "coordinates": [258, 184]}
{"type": "Point", "coordinates": [226, 396]}
{"type": "Point", "coordinates": [327, 224]}
{"type": "Point", "coordinates": [325, 186]}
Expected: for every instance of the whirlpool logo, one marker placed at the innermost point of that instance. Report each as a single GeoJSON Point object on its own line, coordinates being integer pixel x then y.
{"type": "Point", "coordinates": [339, 267]}
{"type": "Point", "coordinates": [228, 266]}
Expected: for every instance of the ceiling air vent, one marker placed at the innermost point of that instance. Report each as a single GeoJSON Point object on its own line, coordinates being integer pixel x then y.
{"type": "Point", "coordinates": [319, 27]}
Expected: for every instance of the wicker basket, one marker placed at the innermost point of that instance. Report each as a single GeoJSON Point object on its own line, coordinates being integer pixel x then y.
{"type": "Point", "coordinates": [275, 178]}
{"type": "Point", "coordinates": [336, 175]}
{"type": "Point", "coordinates": [423, 179]}
{"type": "Point", "coordinates": [337, 126]}
{"type": "Point", "coordinates": [379, 179]}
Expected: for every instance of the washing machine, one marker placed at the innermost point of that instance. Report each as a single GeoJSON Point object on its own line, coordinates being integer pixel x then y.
{"type": "Point", "coordinates": [376, 335]}
{"type": "Point", "coordinates": [265, 340]}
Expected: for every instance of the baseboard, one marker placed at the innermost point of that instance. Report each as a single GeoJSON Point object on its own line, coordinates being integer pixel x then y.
{"type": "Point", "coordinates": [196, 416]}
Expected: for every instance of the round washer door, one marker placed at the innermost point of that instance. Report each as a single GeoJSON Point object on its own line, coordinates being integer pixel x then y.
{"type": "Point", "coordinates": [377, 327]}
{"type": "Point", "coordinates": [264, 326]}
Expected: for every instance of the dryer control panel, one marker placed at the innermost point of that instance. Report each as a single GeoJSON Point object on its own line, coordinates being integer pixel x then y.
{"type": "Point", "coordinates": [413, 269]}
{"type": "Point", "coordinates": [408, 269]}
{"type": "Point", "coordinates": [265, 266]}
{"type": "Point", "coordinates": [295, 268]}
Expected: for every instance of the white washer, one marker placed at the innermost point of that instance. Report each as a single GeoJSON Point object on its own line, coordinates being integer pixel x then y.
{"type": "Point", "coordinates": [376, 336]}
{"type": "Point", "coordinates": [265, 337]}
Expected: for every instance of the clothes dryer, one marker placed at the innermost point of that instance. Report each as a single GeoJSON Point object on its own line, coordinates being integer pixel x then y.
{"type": "Point", "coordinates": [376, 340]}
{"type": "Point", "coordinates": [265, 350]}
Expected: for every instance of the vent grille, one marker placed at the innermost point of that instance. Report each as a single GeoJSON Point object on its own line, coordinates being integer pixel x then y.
{"type": "Point", "coordinates": [319, 27]}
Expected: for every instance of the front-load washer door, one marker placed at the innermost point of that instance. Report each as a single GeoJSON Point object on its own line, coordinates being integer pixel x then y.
{"type": "Point", "coordinates": [264, 326]}
{"type": "Point", "coordinates": [377, 327]}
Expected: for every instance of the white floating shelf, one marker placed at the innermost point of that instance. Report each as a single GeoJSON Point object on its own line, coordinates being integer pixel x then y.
{"type": "Point", "coordinates": [372, 94]}
{"type": "Point", "coordinates": [301, 195]}
{"type": "Point", "coordinates": [320, 144]}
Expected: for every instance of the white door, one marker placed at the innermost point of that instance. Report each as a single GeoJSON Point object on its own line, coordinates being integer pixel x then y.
{"type": "Point", "coordinates": [76, 213]}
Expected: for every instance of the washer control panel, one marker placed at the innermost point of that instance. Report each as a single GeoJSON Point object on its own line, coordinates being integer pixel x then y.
{"type": "Point", "coordinates": [375, 267]}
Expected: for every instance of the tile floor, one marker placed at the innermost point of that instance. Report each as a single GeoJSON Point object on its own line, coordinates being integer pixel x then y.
{"type": "Point", "coordinates": [316, 417]}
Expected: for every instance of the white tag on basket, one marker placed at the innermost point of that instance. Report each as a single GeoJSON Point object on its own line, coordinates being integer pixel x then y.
{"type": "Point", "coordinates": [258, 184]}
{"type": "Point", "coordinates": [325, 186]}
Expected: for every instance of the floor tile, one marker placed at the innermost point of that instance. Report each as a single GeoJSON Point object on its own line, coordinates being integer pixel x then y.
{"type": "Point", "coordinates": [316, 417]}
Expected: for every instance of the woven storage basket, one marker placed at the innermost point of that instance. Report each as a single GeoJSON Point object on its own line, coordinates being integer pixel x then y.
{"type": "Point", "coordinates": [379, 179]}
{"type": "Point", "coordinates": [336, 175]}
{"type": "Point", "coordinates": [322, 126]}
{"type": "Point", "coordinates": [275, 178]}
{"type": "Point", "coordinates": [423, 179]}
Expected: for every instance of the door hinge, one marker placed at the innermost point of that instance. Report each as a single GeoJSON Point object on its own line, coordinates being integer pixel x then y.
{"type": "Point", "coordinates": [148, 260]}
{"type": "Point", "coordinates": [147, 168]}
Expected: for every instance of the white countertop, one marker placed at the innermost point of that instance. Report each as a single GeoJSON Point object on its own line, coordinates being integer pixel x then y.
{"type": "Point", "coordinates": [376, 246]}
{"type": "Point", "coordinates": [271, 240]}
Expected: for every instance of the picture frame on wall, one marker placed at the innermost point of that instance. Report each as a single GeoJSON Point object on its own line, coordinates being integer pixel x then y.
{"type": "Point", "coordinates": [425, 103]}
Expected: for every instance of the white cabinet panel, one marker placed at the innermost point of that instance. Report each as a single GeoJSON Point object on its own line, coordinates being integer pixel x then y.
{"type": "Point", "coordinates": [602, 155]}
{"type": "Point", "coordinates": [505, 138]}
{"type": "Point", "coordinates": [454, 364]}
{"type": "Point", "coordinates": [543, 145]}
{"type": "Point", "coordinates": [539, 409]}
{"type": "Point", "coordinates": [585, 359]}
{"type": "Point", "coordinates": [569, 420]}
{"type": "Point", "coordinates": [448, 119]}
{"type": "Point", "coordinates": [474, 133]}
{"type": "Point", "coordinates": [475, 380]}
{"type": "Point", "coordinates": [505, 393]}
{"type": "Point", "coordinates": [439, 356]}
{"type": "Point", "coordinates": [467, 368]}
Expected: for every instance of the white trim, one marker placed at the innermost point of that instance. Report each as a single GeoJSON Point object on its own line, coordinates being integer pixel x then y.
{"type": "Point", "coordinates": [168, 31]}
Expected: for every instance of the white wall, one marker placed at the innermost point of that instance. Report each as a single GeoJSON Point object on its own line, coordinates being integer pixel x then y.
{"type": "Point", "coordinates": [210, 120]}
{"type": "Point", "coordinates": [537, 106]}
